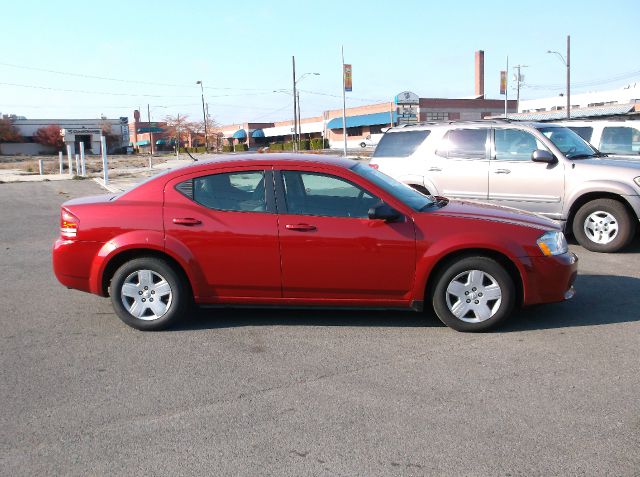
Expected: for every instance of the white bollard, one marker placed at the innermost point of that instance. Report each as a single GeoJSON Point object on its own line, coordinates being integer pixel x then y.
{"type": "Point", "coordinates": [78, 164]}
{"type": "Point", "coordinates": [82, 160]}
{"type": "Point", "coordinates": [40, 165]}
{"type": "Point", "coordinates": [105, 170]}
{"type": "Point", "coordinates": [69, 157]}
{"type": "Point", "coordinates": [61, 160]}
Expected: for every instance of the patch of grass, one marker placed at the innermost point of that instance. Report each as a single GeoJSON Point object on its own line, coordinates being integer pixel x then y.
{"type": "Point", "coordinates": [78, 178]}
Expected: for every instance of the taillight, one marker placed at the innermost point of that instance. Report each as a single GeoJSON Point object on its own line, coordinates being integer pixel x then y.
{"type": "Point", "coordinates": [68, 224]}
{"type": "Point", "coordinates": [373, 166]}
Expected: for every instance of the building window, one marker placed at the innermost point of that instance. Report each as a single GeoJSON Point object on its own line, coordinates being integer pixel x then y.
{"type": "Point", "coordinates": [357, 131]}
{"type": "Point", "coordinates": [436, 116]}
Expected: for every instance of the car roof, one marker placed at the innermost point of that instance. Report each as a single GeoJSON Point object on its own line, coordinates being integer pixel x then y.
{"type": "Point", "coordinates": [480, 122]}
{"type": "Point", "coordinates": [275, 159]}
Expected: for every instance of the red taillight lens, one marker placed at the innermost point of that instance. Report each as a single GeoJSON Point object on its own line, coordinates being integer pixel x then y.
{"type": "Point", "coordinates": [68, 224]}
{"type": "Point", "coordinates": [373, 166]}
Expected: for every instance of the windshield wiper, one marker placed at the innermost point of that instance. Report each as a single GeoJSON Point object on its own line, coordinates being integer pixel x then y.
{"type": "Point", "coordinates": [583, 156]}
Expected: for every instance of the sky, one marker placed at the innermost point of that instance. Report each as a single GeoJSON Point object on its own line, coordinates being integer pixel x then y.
{"type": "Point", "coordinates": [78, 59]}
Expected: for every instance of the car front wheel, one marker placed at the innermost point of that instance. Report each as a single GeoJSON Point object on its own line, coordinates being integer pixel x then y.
{"type": "Point", "coordinates": [148, 294]}
{"type": "Point", "coordinates": [603, 225]}
{"type": "Point", "coordinates": [473, 294]}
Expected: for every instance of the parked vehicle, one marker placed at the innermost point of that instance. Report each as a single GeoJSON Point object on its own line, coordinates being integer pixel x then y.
{"type": "Point", "coordinates": [370, 140]}
{"type": "Point", "coordinates": [619, 138]}
{"type": "Point", "coordinates": [542, 168]}
{"type": "Point", "coordinates": [305, 230]}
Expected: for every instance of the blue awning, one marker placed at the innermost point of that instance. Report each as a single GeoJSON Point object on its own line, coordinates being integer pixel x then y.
{"type": "Point", "coordinates": [240, 134]}
{"type": "Point", "coordinates": [363, 120]}
{"type": "Point", "coordinates": [142, 143]}
{"type": "Point", "coordinates": [257, 133]}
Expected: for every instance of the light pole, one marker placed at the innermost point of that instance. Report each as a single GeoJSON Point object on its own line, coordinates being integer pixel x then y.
{"type": "Point", "coordinates": [567, 63]}
{"type": "Point", "coordinates": [298, 103]}
{"type": "Point", "coordinates": [204, 118]}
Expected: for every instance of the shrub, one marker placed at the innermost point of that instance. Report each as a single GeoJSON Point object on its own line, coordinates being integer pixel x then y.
{"type": "Point", "coordinates": [287, 146]}
{"type": "Point", "coordinates": [227, 148]}
{"type": "Point", "coordinates": [275, 146]}
{"type": "Point", "coordinates": [240, 147]}
{"type": "Point", "coordinates": [319, 143]}
{"type": "Point", "coordinates": [304, 145]}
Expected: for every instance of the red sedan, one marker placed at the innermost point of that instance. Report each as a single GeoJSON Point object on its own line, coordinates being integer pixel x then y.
{"type": "Point", "coordinates": [304, 230]}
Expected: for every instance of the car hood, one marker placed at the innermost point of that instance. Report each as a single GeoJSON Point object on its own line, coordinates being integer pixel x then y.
{"type": "Point", "coordinates": [614, 161]}
{"type": "Point", "coordinates": [473, 210]}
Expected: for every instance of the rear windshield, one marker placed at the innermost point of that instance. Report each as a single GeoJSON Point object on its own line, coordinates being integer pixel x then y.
{"type": "Point", "coordinates": [400, 144]}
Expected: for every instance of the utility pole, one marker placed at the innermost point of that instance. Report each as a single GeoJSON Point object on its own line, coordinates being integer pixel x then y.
{"type": "Point", "coordinates": [295, 105]}
{"type": "Point", "coordinates": [150, 133]}
{"type": "Point", "coordinates": [204, 118]}
{"type": "Point", "coordinates": [299, 120]}
{"type": "Point", "coordinates": [178, 137]}
{"type": "Point", "coordinates": [518, 78]}
{"type": "Point", "coordinates": [506, 91]}
{"type": "Point", "coordinates": [344, 105]}
{"type": "Point", "coordinates": [568, 76]}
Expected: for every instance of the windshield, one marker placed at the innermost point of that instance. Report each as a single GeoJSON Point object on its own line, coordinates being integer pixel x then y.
{"type": "Point", "coordinates": [400, 191]}
{"type": "Point", "coordinates": [569, 143]}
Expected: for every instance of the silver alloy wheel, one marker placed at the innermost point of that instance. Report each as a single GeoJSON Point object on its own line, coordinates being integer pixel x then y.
{"type": "Point", "coordinates": [473, 296]}
{"type": "Point", "coordinates": [601, 227]}
{"type": "Point", "coordinates": [146, 295]}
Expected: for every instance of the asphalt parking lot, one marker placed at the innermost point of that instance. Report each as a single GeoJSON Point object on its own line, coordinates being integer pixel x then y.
{"type": "Point", "coordinates": [266, 392]}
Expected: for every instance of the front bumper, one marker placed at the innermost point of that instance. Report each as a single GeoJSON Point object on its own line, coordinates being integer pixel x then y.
{"type": "Point", "coordinates": [550, 279]}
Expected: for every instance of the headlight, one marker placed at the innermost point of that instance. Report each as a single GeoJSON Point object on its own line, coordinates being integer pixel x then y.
{"type": "Point", "coordinates": [553, 243]}
{"type": "Point", "coordinates": [637, 180]}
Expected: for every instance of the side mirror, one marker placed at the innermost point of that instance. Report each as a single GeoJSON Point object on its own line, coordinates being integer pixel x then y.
{"type": "Point", "coordinates": [384, 212]}
{"type": "Point", "coordinates": [540, 155]}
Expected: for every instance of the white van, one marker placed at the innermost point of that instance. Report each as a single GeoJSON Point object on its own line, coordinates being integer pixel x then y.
{"type": "Point", "coordinates": [621, 138]}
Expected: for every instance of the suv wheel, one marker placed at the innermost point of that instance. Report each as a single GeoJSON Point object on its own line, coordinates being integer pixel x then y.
{"type": "Point", "coordinates": [473, 294]}
{"type": "Point", "coordinates": [603, 225]}
{"type": "Point", "coordinates": [147, 294]}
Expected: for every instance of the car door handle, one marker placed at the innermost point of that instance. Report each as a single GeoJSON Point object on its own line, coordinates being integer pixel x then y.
{"type": "Point", "coordinates": [300, 227]}
{"type": "Point", "coordinates": [186, 221]}
{"type": "Point", "coordinates": [502, 171]}
{"type": "Point", "coordinates": [434, 169]}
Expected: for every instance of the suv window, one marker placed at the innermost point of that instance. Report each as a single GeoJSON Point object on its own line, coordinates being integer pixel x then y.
{"type": "Point", "coordinates": [584, 132]}
{"type": "Point", "coordinates": [309, 193]}
{"type": "Point", "coordinates": [515, 145]}
{"type": "Point", "coordinates": [464, 143]}
{"type": "Point", "coordinates": [618, 139]}
{"type": "Point", "coordinates": [400, 144]}
{"type": "Point", "coordinates": [237, 191]}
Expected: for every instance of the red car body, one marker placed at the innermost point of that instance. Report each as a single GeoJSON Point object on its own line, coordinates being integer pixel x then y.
{"type": "Point", "coordinates": [275, 257]}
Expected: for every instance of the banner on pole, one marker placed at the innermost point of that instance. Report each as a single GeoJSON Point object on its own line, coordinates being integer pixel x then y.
{"type": "Point", "coordinates": [347, 78]}
{"type": "Point", "coordinates": [503, 82]}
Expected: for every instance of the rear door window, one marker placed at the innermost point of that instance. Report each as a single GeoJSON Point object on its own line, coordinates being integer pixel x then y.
{"type": "Point", "coordinates": [619, 140]}
{"type": "Point", "coordinates": [464, 144]}
{"type": "Point", "coordinates": [237, 191]}
{"type": "Point", "coordinates": [584, 132]}
{"type": "Point", "coordinates": [400, 144]}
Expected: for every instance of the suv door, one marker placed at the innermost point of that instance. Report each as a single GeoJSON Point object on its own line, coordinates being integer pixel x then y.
{"type": "Point", "coordinates": [516, 181]}
{"type": "Point", "coordinates": [460, 166]}
{"type": "Point", "coordinates": [330, 248]}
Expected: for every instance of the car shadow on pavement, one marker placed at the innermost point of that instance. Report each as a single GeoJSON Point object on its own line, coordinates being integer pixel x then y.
{"type": "Point", "coordinates": [599, 300]}
{"type": "Point", "coordinates": [590, 307]}
{"type": "Point", "coordinates": [208, 318]}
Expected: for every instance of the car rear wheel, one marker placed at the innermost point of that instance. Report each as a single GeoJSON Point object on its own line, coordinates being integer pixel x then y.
{"type": "Point", "coordinates": [363, 145]}
{"type": "Point", "coordinates": [148, 294]}
{"type": "Point", "coordinates": [603, 225]}
{"type": "Point", "coordinates": [473, 294]}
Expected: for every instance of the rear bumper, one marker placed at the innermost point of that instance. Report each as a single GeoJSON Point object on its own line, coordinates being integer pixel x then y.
{"type": "Point", "coordinates": [72, 262]}
{"type": "Point", "coordinates": [550, 279]}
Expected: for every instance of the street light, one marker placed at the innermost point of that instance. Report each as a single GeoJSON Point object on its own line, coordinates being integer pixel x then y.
{"type": "Point", "coordinates": [297, 102]}
{"type": "Point", "coordinates": [567, 63]}
{"type": "Point", "coordinates": [204, 117]}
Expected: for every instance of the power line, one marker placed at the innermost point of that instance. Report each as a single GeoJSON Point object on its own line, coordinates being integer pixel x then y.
{"type": "Point", "coordinates": [122, 80]}
{"type": "Point", "coordinates": [584, 84]}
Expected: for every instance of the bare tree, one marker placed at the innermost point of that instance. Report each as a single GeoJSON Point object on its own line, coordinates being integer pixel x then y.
{"type": "Point", "coordinates": [177, 127]}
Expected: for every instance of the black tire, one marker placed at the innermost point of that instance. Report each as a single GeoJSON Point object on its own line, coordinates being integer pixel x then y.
{"type": "Point", "coordinates": [133, 274]}
{"type": "Point", "coordinates": [492, 275]}
{"type": "Point", "coordinates": [599, 236]}
{"type": "Point", "coordinates": [363, 145]}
